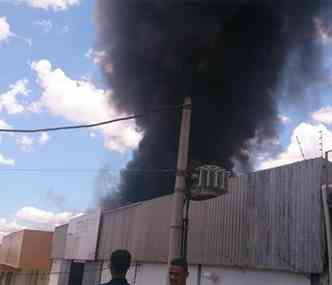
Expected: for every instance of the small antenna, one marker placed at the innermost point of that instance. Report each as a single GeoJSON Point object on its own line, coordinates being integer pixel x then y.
{"type": "Point", "coordinates": [300, 147]}
{"type": "Point", "coordinates": [321, 146]}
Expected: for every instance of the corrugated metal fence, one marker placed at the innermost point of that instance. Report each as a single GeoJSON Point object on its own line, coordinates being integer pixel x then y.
{"type": "Point", "coordinates": [270, 219]}
{"type": "Point", "coordinates": [142, 228]}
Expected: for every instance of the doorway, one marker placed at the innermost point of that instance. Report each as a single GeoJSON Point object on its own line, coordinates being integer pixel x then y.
{"type": "Point", "coordinates": [76, 273]}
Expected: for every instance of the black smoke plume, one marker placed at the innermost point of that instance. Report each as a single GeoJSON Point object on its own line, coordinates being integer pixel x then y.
{"type": "Point", "coordinates": [229, 57]}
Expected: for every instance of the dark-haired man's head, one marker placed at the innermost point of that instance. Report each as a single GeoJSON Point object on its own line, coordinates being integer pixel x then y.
{"type": "Point", "coordinates": [119, 263]}
{"type": "Point", "coordinates": [178, 271]}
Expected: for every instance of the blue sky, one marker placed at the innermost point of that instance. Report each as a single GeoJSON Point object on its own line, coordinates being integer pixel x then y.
{"type": "Point", "coordinates": [42, 34]}
{"type": "Point", "coordinates": [50, 76]}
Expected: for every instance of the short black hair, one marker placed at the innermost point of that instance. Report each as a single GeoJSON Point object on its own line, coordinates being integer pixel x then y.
{"type": "Point", "coordinates": [120, 261]}
{"type": "Point", "coordinates": [180, 261]}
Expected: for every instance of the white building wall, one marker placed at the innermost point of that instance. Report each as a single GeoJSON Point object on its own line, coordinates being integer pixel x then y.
{"type": "Point", "coordinates": [82, 237]}
{"type": "Point", "coordinates": [59, 274]}
{"type": "Point", "coordinates": [147, 274]}
{"type": "Point", "coordinates": [56, 267]}
{"type": "Point", "coordinates": [151, 274]}
{"type": "Point", "coordinates": [228, 276]}
{"type": "Point", "coordinates": [105, 273]}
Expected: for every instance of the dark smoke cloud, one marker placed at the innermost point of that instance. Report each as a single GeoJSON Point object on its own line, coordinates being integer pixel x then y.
{"type": "Point", "coordinates": [228, 57]}
{"type": "Point", "coordinates": [57, 199]}
{"type": "Point", "coordinates": [107, 194]}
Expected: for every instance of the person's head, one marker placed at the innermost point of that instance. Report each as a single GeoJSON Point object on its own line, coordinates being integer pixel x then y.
{"type": "Point", "coordinates": [178, 271]}
{"type": "Point", "coordinates": [120, 263]}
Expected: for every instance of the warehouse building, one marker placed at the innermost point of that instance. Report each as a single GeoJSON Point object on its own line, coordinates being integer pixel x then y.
{"type": "Point", "coordinates": [74, 251]}
{"type": "Point", "coordinates": [25, 258]}
{"type": "Point", "coordinates": [271, 228]}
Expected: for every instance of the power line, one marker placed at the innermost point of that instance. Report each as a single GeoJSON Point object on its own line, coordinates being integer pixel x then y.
{"type": "Point", "coordinates": [92, 125]}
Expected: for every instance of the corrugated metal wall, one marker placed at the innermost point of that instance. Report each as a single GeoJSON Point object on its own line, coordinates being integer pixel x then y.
{"type": "Point", "coordinates": [271, 219]}
{"type": "Point", "coordinates": [82, 236]}
{"type": "Point", "coordinates": [141, 228]}
{"type": "Point", "coordinates": [59, 242]}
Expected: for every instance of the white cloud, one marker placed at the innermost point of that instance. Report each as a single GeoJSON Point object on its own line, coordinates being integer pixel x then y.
{"type": "Point", "coordinates": [323, 115]}
{"type": "Point", "coordinates": [81, 102]}
{"type": "Point", "coordinates": [5, 32]}
{"type": "Point", "coordinates": [92, 135]}
{"type": "Point", "coordinates": [284, 119]}
{"type": "Point", "coordinates": [25, 142]}
{"type": "Point", "coordinates": [44, 138]}
{"type": "Point", "coordinates": [45, 25]}
{"type": "Point", "coordinates": [56, 5]}
{"type": "Point", "coordinates": [35, 107]}
{"type": "Point", "coordinates": [4, 125]}
{"type": "Point", "coordinates": [9, 100]}
{"type": "Point", "coordinates": [97, 56]}
{"type": "Point", "coordinates": [6, 161]}
{"type": "Point", "coordinates": [41, 217]}
{"type": "Point", "coordinates": [308, 135]}
{"type": "Point", "coordinates": [100, 57]}
{"type": "Point", "coordinates": [34, 218]}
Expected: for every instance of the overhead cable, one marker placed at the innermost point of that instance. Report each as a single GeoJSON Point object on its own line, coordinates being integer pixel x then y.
{"type": "Point", "coordinates": [98, 124]}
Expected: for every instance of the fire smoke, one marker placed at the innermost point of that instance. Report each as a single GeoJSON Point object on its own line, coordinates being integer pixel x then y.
{"type": "Point", "coordinates": [230, 58]}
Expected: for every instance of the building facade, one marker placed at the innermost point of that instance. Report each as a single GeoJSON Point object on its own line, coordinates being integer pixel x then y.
{"type": "Point", "coordinates": [269, 229]}
{"type": "Point", "coordinates": [74, 251]}
{"type": "Point", "coordinates": [25, 258]}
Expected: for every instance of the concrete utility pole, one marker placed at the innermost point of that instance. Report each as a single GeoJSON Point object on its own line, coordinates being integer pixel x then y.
{"type": "Point", "coordinates": [180, 183]}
